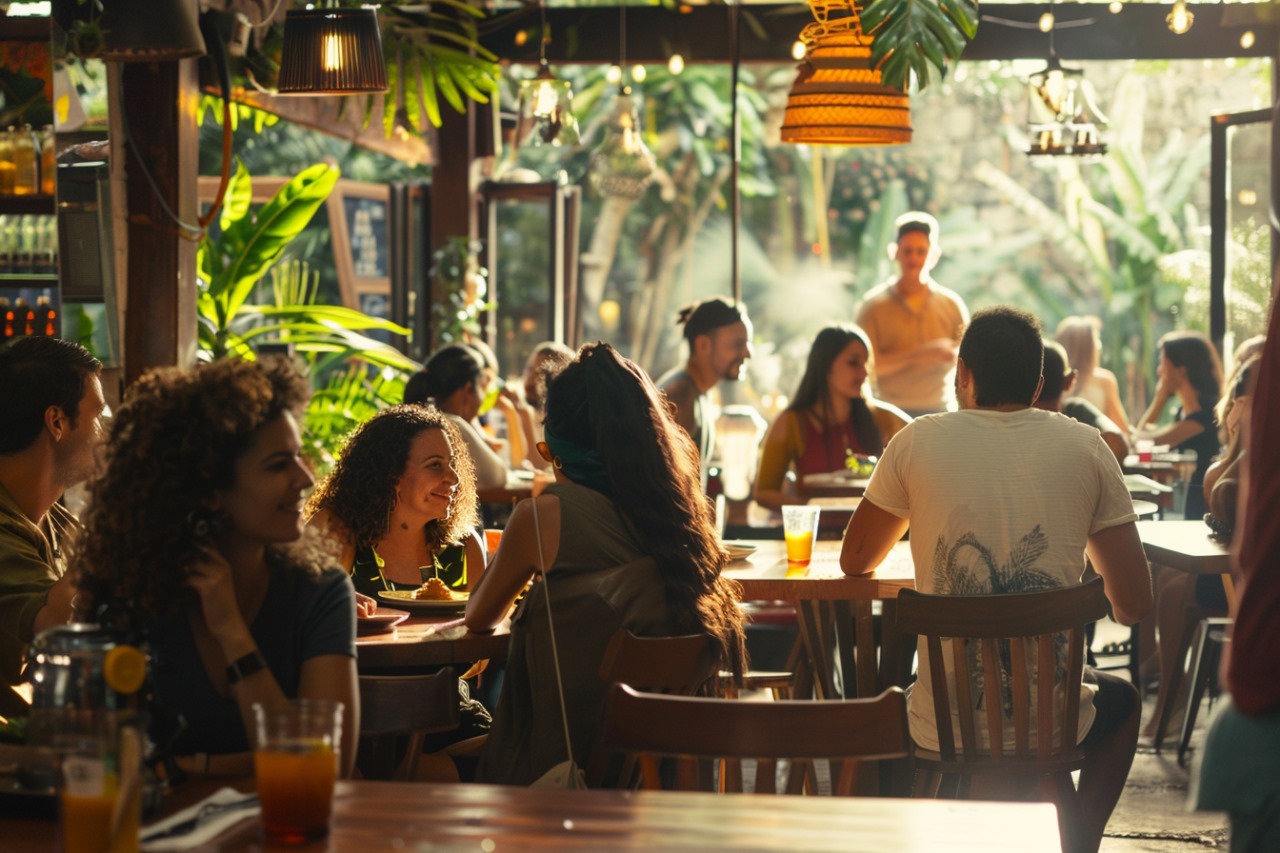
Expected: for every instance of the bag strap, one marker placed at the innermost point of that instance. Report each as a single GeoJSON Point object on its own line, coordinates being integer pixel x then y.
{"type": "Point", "coordinates": [551, 629]}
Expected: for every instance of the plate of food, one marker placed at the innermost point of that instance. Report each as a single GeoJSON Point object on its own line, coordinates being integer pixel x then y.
{"type": "Point", "coordinates": [381, 622]}
{"type": "Point", "coordinates": [432, 597]}
{"type": "Point", "coordinates": [738, 550]}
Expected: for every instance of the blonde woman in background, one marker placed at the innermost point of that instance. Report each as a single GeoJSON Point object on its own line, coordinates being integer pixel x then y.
{"type": "Point", "coordinates": [1079, 337]}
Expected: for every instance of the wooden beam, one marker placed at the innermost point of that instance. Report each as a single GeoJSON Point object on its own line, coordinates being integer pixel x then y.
{"type": "Point", "coordinates": [589, 35]}
{"type": "Point", "coordinates": [158, 102]}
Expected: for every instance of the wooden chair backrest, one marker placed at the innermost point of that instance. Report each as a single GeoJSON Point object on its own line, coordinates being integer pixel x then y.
{"type": "Point", "coordinates": [413, 705]}
{"type": "Point", "coordinates": [659, 664]}
{"type": "Point", "coordinates": [690, 729]}
{"type": "Point", "coordinates": [1015, 634]}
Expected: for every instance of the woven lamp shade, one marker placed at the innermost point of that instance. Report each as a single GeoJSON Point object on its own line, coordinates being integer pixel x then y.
{"type": "Point", "coordinates": [838, 98]}
{"type": "Point", "coordinates": [331, 51]}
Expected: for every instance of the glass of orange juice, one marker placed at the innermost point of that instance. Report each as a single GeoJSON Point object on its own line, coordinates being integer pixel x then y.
{"type": "Point", "coordinates": [295, 762]}
{"type": "Point", "coordinates": [100, 789]}
{"type": "Point", "coordinates": [800, 527]}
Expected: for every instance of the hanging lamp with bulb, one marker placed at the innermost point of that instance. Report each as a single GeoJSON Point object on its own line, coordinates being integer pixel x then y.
{"type": "Point", "coordinates": [622, 166]}
{"type": "Point", "coordinates": [545, 115]}
{"type": "Point", "coordinates": [1062, 113]}
{"type": "Point", "coordinates": [838, 97]}
{"type": "Point", "coordinates": [332, 50]}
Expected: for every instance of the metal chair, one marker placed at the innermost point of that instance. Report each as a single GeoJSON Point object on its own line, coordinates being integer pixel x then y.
{"type": "Point", "coordinates": [1017, 636]}
{"type": "Point", "coordinates": [695, 730]}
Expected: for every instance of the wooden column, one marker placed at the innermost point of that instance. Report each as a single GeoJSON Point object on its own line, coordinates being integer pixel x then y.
{"type": "Point", "coordinates": [157, 100]}
{"type": "Point", "coordinates": [453, 211]}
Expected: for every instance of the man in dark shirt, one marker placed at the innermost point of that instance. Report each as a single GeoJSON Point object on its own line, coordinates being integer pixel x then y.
{"type": "Point", "coordinates": [719, 336]}
{"type": "Point", "coordinates": [49, 435]}
{"type": "Point", "coordinates": [1059, 379]}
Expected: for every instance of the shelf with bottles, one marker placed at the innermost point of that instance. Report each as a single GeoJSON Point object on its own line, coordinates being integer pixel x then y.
{"type": "Point", "coordinates": [28, 249]}
{"type": "Point", "coordinates": [29, 312]}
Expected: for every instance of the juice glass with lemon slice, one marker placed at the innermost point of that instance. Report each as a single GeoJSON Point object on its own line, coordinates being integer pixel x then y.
{"type": "Point", "coordinates": [295, 762]}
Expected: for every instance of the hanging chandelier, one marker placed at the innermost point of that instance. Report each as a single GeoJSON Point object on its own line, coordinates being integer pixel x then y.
{"type": "Point", "coordinates": [622, 165]}
{"type": "Point", "coordinates": [838, 97]}
{"type": "Point", "coordinates": [1062, 115]}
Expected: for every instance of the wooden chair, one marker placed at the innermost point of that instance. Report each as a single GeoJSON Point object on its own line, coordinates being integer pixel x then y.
{"type": "Point", "coordinates": [695, 729]}
{"type": "Point", "coordinates": [1018, 636]}
{"type": "Point", "coordinates": [659, 664]}
{"type": "Point", "coordinates": [413, 706]}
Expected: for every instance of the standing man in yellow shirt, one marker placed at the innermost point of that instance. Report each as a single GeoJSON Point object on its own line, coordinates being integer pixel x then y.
{"type": "Point", "coordinates": [914, 324]}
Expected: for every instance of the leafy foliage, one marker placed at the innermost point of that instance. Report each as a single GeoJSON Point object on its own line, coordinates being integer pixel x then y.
{"type": "Point", "coordinates": [912, 35]}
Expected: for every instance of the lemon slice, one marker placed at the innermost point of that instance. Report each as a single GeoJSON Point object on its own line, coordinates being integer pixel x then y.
{"type": "Point", "coordinates": [124, 668]}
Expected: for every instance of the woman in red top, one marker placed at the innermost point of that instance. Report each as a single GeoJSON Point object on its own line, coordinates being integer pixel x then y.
{"type": "Point", "coordinates": [830, 418]}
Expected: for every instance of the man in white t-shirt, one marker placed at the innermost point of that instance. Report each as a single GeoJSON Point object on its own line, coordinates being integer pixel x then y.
{"type": "Point", "coordinates": [1002, 497]}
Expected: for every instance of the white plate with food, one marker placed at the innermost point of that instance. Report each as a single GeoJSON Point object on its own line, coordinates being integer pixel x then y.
{"type": "Point", "coordinates": [738, 550]}
{"type": "Point", "coordinates": [409, 600]}
{"type": "Point", "coordinates": [384, 620]}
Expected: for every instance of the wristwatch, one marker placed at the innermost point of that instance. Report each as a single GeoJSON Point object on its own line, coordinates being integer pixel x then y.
{"type": "Point", "coordinates": [246, 666]}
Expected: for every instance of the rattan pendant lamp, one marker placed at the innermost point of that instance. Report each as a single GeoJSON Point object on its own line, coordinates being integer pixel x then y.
{"type": "Point", "coordinates": [332, 50]}
{"type": "Point", "coordinates": [838, 97]}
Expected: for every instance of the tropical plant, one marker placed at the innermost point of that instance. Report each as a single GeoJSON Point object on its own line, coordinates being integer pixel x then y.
{"type": "Point", "coordinates": [912, 35]}
{"type": "Point", "coordinates": [462, 288]}
{"type": "Point", "coordinates": [356, 374]}
{"type": "Point", "coordinates": [249, 244]}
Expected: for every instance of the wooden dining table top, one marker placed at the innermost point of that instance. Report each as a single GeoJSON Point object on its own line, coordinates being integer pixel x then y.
{"type": "Point", "coordinates": [417, 816]}
{"type": "Point", "coordinates": [766, 575]}
{"type": "Point", "coordinates": [430, 642]}
{"type": "Point", "coordinates": [1188, 546]}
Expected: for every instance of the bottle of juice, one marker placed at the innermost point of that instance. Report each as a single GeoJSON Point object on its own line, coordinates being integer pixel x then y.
{"type": "Point", "coordinates": [6, 319]}
{"type": "Point", "coordinates": [48, 160]}
{"type": "Point", "coordinates": [46, 318]}
{"type": "Point", "coordinates": [26, 162]}
{"type": "Point", "coordinates": [7, 170]}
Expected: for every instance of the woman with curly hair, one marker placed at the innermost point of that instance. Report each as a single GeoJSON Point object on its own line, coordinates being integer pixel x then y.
{"type": "Point", "coordinates": [831, 417]}
{"type": "Point", "coordinates": [401, 503]}
{"type": "Point", "coordinates": [194, 543]}
{"type": "Point", "coordinates": [627, 541]}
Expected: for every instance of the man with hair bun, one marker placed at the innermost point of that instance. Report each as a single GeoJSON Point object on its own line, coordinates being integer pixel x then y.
{"type": "Point", "coordinates": [914, 323]}
{"type": "Point", "coordinates": [719, 335]}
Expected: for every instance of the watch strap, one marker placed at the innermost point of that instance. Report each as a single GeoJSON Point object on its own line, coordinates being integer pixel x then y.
{"type": "Point", "coordinates": [246, 666]}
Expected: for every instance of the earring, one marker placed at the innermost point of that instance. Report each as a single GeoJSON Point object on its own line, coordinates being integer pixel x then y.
{"type": "Point", "coordinates": [556, 463]}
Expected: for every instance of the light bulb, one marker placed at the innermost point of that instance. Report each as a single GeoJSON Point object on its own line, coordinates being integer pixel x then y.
{"type": "Point", "coordinates": [545, 114]}
{"type": "Point", "coordinates": [1046, 22]}
{"type": "Point", "coordinates": [544, 99]}
{"type": "Point", "coordinates": [331, 48]}
{"type": "Point", "coordinates": [1247, 39]}
{"type": "Point", "coordinates": [798, 51]}
{"type": "Point", "coordinates": [1180, 18]}
{"type": "Point", "coordinates": [638, 73]}
{"type": "Point", "coordinates": [675, 64]}
{"type": "Point", "coordinates": [614, 74]}
{"type": "Point", "coordinates": [1115, 7]}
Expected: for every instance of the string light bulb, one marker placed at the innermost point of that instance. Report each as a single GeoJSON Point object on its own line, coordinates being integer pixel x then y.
{"type": "Point", "coordinates": [1115, 7]}
{"type": "Point", "coordinates": [1247, 39]}
{"type": "Point", "coordinates": [1046, 22]}
{"type": "Point", "coordinates": [675, 64]}
{"type": "Point", "coordinates": [1180, 18]}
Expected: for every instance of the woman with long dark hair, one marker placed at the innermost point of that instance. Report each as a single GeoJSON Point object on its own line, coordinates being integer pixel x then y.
{"type": "Point", "coordinates": [401, 503]}
{"type": "Point", "coordinates": [194, 543]}
{"type": "Point", "coordinates": [830, 418]}
{"type": "Point", "coordinates": [1191, 373]}
{"type": "Point", "coordinates": [627, 541]}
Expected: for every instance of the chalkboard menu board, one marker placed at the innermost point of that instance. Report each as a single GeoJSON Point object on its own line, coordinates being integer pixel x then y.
{"type": "Point", "coordinates": [367, 231]}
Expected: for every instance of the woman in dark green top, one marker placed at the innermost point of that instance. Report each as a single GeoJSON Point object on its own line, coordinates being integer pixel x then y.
{"type": "Point", "coordinates": [401, 503]}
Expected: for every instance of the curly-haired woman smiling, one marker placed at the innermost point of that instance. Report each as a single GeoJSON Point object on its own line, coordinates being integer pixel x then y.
{"type": "Point", "coordinates": [402, 501]}
{"type": "Point", "coordinates": [194, 541]}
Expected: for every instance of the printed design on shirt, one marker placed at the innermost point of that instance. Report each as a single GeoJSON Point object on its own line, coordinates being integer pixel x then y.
{"type": "Point", "coordinates": [970, 567]}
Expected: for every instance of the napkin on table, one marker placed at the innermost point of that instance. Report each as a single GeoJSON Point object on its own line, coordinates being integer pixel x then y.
{"type": "Point", "coordinates": [209, 828]}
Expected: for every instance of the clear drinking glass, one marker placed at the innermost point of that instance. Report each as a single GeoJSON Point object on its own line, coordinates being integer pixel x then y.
{"type": "Point", "coordinates": [800, 527]}
{"type": "Point", "coordinates": [295, 763]}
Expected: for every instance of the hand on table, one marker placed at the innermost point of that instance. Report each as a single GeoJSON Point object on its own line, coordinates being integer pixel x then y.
{"type": "Point", "coordinates": [365, 606]}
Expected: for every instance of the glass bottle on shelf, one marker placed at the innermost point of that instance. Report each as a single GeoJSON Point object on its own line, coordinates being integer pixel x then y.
{"type": "Point", "coordinates": [7, 169]}
{"type": "Point", "coordinates": [7, 317]}
{"type": "Point", "coordinates": [46, 318]}
{"type": "Point", "coordinates": [26, 162]}
{"type": "Point", "coordinates": [48, 160]}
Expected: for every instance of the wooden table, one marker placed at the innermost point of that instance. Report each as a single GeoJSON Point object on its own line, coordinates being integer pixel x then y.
{"type": "Point", "coordinates": [837, 484]}
{"type": "Point", "coordinates": [418, 816]}
{"type": "Point", "coordinates": [1187, 546]}
{"type": "Point", "coordinates": [414, 645]}
{"type": "Point", "coordinates": [830, 603]}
